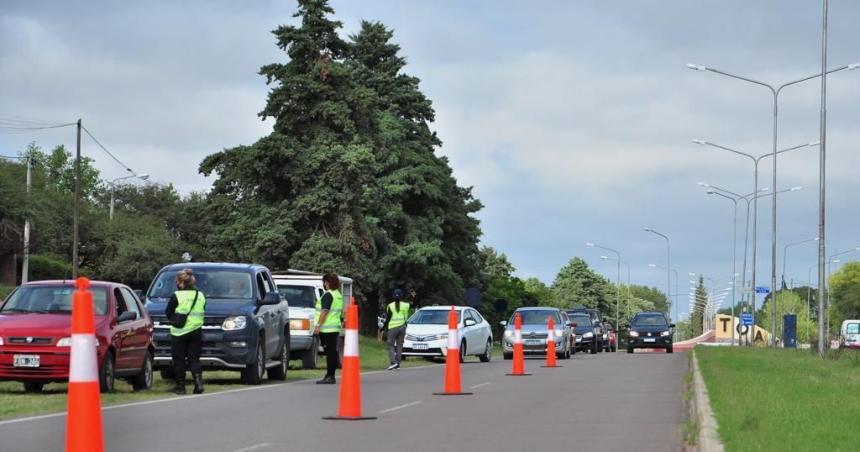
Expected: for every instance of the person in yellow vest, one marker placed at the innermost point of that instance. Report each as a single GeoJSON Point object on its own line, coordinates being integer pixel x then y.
{"type": "Point", "coordinates": [329, 323]}
{"type": "Point", "coordinates": [395, 323]}
{"type": "Point", "coordinates": [185, 312]}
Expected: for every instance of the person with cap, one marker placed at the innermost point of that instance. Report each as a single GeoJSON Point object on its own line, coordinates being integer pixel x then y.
{"type": "Point", "coordinates": [185, 312]}
{"type": "Point", "coordinates": [329, 323]}
{"type": "Point", "coordinates": [395, 324]}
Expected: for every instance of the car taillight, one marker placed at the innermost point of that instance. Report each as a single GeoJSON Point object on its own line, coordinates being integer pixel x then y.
{"type": "Point", "coordinates": [300, 324]}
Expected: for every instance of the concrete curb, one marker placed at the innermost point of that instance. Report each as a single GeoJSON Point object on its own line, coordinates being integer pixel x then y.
{"type": "Point", "coordinates": [708, 439]}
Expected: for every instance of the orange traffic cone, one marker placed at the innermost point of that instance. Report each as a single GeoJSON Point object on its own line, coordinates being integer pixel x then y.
{"type": "Point", "coordinates": [84, 420]}
{"type": "Point", "coordinates": [452, 360]}
{"type": "Point", "coordinates": [519, 356]}
{"type": "Point", "coordinates": [349, 408]}
{"type": "Point", "coordinates": [550, 343]}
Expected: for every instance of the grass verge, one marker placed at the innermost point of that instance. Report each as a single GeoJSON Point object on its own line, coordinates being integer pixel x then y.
{"type": "Point", "coordinates": [14, 402]}
{"type": "Point", "coordinates": [782, 400]}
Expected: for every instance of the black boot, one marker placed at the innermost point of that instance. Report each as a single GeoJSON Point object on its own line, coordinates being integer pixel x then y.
{"type": "Point", "coordinates": [198, 383]}
{"type": "Point", "coordinates": [179, 389]}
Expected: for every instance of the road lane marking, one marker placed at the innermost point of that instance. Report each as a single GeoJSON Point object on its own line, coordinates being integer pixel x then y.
{"type": "Point", "coordinates": [199, 396]}
{"type": "Point", "coordinates": [400, 407]}
{"type": "Point", "coordinates": [480, 385]}
{"type": "Point", "coordinates": [254, 447]}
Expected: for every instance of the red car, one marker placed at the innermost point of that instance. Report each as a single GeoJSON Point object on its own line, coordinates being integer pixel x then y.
{"type": "Point", "coordinates": [35, 335]}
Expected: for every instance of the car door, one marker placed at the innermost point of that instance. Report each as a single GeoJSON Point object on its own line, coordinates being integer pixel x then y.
{"type": "Point", "coordinates": [141, 328]}
{"type": "Point", "coordinates": [267, 315]}
{"type": "Point", "coordinates": [473, 343]}
{"type": "Point", "coordinates": [482, 329]}
{"type": "Point", "coordinates": [123, 334]}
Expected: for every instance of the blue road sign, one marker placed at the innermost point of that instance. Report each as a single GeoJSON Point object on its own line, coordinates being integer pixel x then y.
{"type": "Point", "coordinates": [747, 318]}
{"type": "Point", "coordinates": [762, 289]}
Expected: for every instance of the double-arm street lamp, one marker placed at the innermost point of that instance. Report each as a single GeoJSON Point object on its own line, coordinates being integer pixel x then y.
{"type": "Point", "coordinates": [617, 281]}
{"type": "Point", "coordinates": [112, 184]}
{"type": "Point", "coordinates": [775, 91]}
{"type": "Point", "coordinates": [668, 275]}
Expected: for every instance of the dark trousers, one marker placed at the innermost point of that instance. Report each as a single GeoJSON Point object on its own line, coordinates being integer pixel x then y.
{"type": "Point", "coordinates": [329, 343]}
{"type": "Point", "coordinates": [186, 348]}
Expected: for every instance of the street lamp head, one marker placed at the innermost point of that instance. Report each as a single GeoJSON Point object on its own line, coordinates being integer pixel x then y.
{"type": "Point", "coordinates": [814, 143]}
{"type": "Point", "coordinates": [703, 184]}
{"type": "Point", "coordinates": [795, 188]}
{"type": "Point", "coordinates": [710, 192]}
{"type": "Point", "coordinates": [590, 244]}
{"type": "Point", "coordinates": [604, 257]}
{"type": "Point", "coordinates": [851, 67]}
{"type": "Point", "coordinates": [652, 265]}
{"type": "Point", "coordinates": [647, 229]}
{"type": "Point", "coordinates": [699, 142]}
{"type": "Point", "coordinates": [143, 176]}
{"type": "Point", "coordinates": [697, 67]}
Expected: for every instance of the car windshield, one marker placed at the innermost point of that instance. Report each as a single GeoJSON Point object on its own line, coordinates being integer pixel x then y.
{"type": "Point", "coordinates": [649, 320]}
{"type": "Point", "coordinates": [50, 300]}
{"type": "Point", "coordinates": [299, 296]}
{"type": "Point", "coordinates": [852, 328]}
{"type": "Point", "coordinates": [582, 321]}
{"type": "Point", "coordinates": [537, 317]}
{"type": "Point", "coordinates": [215, 284]}
{"type": "Point", "coordinates": [431, 317]}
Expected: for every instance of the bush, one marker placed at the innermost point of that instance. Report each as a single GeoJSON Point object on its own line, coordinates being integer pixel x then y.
{"type": "Point", "coordinates": [49, 267]}
{"type": "Point", "coordinates": [5, 291]}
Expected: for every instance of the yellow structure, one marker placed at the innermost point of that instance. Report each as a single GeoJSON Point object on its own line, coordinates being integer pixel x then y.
{"type": "Point", "coordinates": [723, 325]}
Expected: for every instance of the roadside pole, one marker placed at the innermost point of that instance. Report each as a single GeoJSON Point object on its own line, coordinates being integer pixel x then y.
{"type": "Point", "coordinates": [77, 204]}
{"type": "Point", "coordinates": [25, 263]}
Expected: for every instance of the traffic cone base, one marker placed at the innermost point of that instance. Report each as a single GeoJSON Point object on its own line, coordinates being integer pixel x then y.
{"type": "Point", "coordinates": [519, 375]}
{"type": "Point", "coordinates": [552, 367]}
{"type": "Point", "coordinates": [453, 393]}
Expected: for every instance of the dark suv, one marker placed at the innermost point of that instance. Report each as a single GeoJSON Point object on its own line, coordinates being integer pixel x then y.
{"type": "Point", "coordinates": [246, 322]}
{"type": "Point", "coordinates": [596, 325]}
{"type": "Point", "coordinates": [650, 330]}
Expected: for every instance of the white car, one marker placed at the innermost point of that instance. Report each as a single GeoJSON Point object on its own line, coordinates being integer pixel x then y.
{"type": "Point", "coordinates": [427, 333]}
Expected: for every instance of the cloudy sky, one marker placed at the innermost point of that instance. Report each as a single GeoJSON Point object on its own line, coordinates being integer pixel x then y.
{"type": "Point", "coordinates": [572, 119]}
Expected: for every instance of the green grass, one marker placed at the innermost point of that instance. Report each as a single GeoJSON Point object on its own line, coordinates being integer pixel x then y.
{"type": "Point", "coordinates": [15, 403]}
{"type": "Point", "coordinates": [782, 400]}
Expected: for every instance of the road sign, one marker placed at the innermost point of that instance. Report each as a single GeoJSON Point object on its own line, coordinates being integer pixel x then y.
{"type": "Point", "coordinates": [762, 289]}
{"type": "Point", "coordinates": [747, 318]}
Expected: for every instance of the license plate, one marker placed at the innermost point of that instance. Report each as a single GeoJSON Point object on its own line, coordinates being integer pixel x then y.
{"type": "Point", "coordinates": [26, 361]}
{"type": "Point", "coordinates": [650, 339]}
{"type": "Point", "coordinates": [533, 342]}
{"type": "Point", "coordinates": [418, 346]}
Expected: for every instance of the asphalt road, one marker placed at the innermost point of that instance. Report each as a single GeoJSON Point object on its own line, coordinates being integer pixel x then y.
{"type": "Point", "coordinates": [604, 402]}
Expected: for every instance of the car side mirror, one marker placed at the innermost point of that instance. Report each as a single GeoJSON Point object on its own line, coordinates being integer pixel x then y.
{"type": "Point", "coordinates": [571, 324]}
{"type": "Point", "coordinates": [271, 298]}
{"type": "Point", "coordinates": [671, 325]}
{"type": "Point", "coordinates": [126, 317]}
{"type": "Point", "coordinates": [503, 323]}
{"type": "Point", "coordinates": [470, 322]}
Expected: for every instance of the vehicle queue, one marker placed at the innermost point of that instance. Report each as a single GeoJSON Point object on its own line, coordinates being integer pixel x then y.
{"type": "Point", "coordinates": [255, 321]}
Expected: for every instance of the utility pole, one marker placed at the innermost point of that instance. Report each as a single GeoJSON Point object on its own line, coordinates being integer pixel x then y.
{"type": "Point", "coordinates": [25, 264]}
{"type": "Point", "coordinates": [77, 210]}
{"type": "Point", "coordinates": [821, 185]}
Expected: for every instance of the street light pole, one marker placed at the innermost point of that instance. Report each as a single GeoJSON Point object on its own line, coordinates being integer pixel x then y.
{"type": "Point", "coordinates": [734, 253]}
{"type": "Point", "coordinates": [822, 154]}
{"type": "Point", "coordinates": [617, 283]}
{"type": "Point", "coordinates": [775, 92]}
{"type": "Point", "coordinates": [77, 207]}
{"type": "Point", "coordinates": [785, 253]}
{"type": "Point", "coordinates": [668, 275]}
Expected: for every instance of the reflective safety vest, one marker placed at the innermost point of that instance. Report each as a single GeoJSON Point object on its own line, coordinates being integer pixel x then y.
{"type": "Point", "coordinates": [397, 318]}
{"type": "Point", "coordinates": [194, 322]}
{"type": "Point", "coordinates": [333, 322]}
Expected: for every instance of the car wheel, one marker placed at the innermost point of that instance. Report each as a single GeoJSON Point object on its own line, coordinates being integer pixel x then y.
{"type": "Point", "coordinates": [629, 349]}
{"type": "Point", "coordinates": [463, 351]}
{"type": "Point", "coordinates": [310, 356]}
{"type": "Point", "coordinates": [107, 377]}
{"type": "Point", "coordinates": [33, 387]}
{"type": "Point", "coordinates": [252, 374]}
{"type": "Point", "coordinates": [143, 380]}
{"type": "Point", "coordinates": [669, 349]}
{"type": "Point", "coordinates": [488, 352]}
{"type": "Point", "coordinates": [167, 373]}
{"type": "Point", "coordinates": [279, 372]}
{"type": "Point", "coordinates": [508, 355]}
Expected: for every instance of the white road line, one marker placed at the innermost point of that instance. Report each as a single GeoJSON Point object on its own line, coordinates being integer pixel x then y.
{"type": "Point", "coordinates": [254, 447]}
{"type": "Point", "coordinates": [480, 385]}
{"type": "Point", "coordinates": [192, 397]}
{"type": "Point", "coordinates": [400, 407]}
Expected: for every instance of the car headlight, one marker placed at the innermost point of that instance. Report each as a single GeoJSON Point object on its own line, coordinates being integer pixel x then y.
{"type": "Point", "coordinates": [64, 342]}
{"type": "Point", "coordinates": [1, 341]}
{"type": "Point", "coordinates": [634, 334]}
{"type": "Point", "coordinates": [589, 334]}
{"type": "Point", "coordinates": [234, 323]}
{"type": "Point", "coordinates": [442, 336]}
{"type": "Point", "coordinates": [509, 334]}
{"type": "Point", "coordinates": [664, 333]}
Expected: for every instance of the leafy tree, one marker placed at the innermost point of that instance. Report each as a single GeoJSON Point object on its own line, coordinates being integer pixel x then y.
{"type": "Point", "coordinates": [577, 284]}
{"type": "Point", "coordinates": [494, 264]}
{"type": "Point", "coordinates": [652, 294]}
{"type": "Point", "coordinates": [540, 292]}
{"type": "Point", "coordinates": [697, 315]}
{"type": "Point", "coordinates": [788, 302]}
{"type": "Point", "coordinates": [56, 170]}
{"type": "Point", "coordinates": [845, 293]}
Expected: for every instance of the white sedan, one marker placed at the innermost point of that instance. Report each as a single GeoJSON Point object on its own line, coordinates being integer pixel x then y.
{"type": "Point", "coordinates": [427, 333]}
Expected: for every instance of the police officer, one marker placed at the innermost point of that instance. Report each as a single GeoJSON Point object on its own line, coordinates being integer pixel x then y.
{"type": "Point", "coordinates": [396, 314]}
{"type": "Point", "coordinates": [329, 323]}
{"type": "Point", "coordinates": [186, 339]}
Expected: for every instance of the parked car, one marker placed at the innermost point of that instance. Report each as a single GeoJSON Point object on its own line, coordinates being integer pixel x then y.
{"type": "Point", "coordinates": [650, 330]}
{"type": "Point", "coordinates": [246, 322]}
{"type": "Point", "coordinates": [427, 333]}
{"type": "Point", "coordinates": [302, 289]}
{"type": "Point", "coordinates": [534, 332]}
{"type": "Point", "coordinates": [35, 335]}
{"type": "Point", "coordinates": [586, 334]}
{"type": "Point", "coordinates": [596, 321]}
{"type": "Point", "coordinates": [850, 333]}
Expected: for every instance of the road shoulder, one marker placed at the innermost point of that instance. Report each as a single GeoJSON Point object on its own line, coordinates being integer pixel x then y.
{"type": "Point", "coordinates": [707, 439]}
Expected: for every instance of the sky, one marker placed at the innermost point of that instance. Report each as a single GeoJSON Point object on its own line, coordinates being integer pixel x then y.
{"type": "Point", "coordinates": [572, 120]}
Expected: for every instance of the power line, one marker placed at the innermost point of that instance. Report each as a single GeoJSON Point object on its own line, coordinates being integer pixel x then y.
{"type": "Point", "coordinates": [107, 151]}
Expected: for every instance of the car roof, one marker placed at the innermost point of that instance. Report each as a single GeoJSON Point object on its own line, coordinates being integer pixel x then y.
{"type": "Point", "coordinates": [218, 265]}
{"type": "Point", "coordinates": [71, 282]}
{"type": "Point", "coordinates": [537, 308]}
{"type": "Point", "coordinates": [443, 308]}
